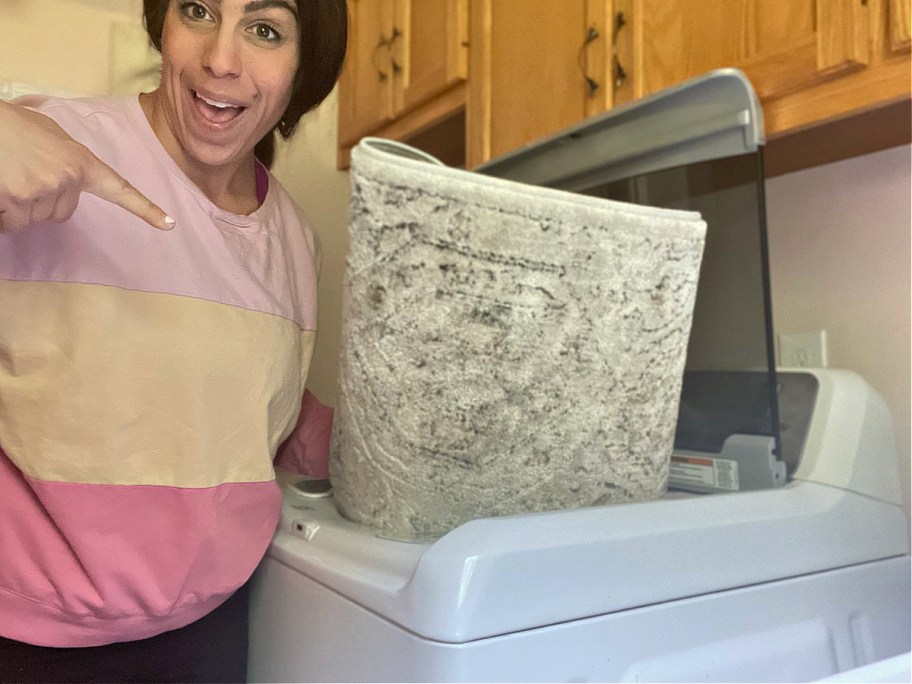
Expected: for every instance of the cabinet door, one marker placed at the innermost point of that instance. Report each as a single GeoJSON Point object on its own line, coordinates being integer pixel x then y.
{"type": "Point", "coordinates": [782, 45]}
{"type": "Point", "coordinates": [430, 49]}
{"type": "Point", "coordinates": [366, 83]}
{"type": "Point", "coordinates": [678, 39]}
{"type": "Point", "coordinates": [796, 44]}
{"type": "Point", "coordinates": [527, 64]}
{"type": "Point", "coordinates": [900, 18]}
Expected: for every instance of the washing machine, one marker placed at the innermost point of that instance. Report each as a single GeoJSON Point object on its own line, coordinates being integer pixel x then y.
{"type": "Point", "coordinates": [796, 582]}
{"type": "Point", "coordinates": [779, 553]}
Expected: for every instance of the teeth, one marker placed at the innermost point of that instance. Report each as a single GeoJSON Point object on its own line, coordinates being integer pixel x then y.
{"type": "Point", "coordinates": [220, 105]}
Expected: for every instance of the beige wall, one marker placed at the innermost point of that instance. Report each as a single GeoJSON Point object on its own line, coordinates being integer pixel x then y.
{"type": "Point", "coordinates": [40, 41]}
{"type": "Point", "coordinates": [839, 241]}
{"type": "Point", "coordinates": [839, 234]}
{"type": "Point", "coordinates": [306, 165]}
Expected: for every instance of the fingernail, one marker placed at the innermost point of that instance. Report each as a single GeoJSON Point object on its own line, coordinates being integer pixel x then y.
{"type": "Point", "coordinates": [169, 223]}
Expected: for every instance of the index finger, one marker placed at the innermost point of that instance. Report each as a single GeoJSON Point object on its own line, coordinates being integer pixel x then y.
{"type": "Point", "coordinates": [102, 181]}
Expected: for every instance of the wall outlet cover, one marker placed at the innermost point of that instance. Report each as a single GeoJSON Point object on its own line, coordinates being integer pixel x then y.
{"type": "Point", "coordinates": [803, 350]}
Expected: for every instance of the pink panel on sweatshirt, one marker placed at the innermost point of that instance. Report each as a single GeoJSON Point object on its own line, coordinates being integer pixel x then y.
{"type": "Point", "coordinates": [125, 558]}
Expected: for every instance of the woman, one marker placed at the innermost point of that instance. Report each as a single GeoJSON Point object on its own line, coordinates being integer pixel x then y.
{"type": "Point", "coordinates": [148, 377]}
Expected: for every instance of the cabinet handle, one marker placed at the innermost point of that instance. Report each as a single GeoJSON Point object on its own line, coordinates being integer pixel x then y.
{"type": "Point", "coordinates": [383, 42]}
{"type": "Point", "coordinates": [620, 75]}
{"type": "Point", "coordinates": [592, 86]}
{"type": "Point", "coordinates": [392, 41]}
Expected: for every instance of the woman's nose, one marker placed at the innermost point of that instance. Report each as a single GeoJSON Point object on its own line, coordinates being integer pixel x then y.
{"type": "Point", "coordinates": [222, 58]}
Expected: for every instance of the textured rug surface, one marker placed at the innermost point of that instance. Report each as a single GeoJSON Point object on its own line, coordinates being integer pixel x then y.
{"type": "Point", "coordinates": [505, 348]}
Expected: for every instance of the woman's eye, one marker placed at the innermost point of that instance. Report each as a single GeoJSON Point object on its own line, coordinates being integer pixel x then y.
{"type": "Point", "coordinates": [266, 33]}
{"type": "Point", "coordinates": [194, 10]}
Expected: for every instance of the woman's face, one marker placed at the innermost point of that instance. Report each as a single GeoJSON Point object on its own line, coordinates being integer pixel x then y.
{"type": "Point", "coordinates": [227, 72]}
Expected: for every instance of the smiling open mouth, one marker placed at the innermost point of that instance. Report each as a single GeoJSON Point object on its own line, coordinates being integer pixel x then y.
{"type": "Point", "coordinates": [216, 111]}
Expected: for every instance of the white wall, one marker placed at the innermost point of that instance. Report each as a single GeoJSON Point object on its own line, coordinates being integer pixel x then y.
{"type": "Point", "coordinates": [839, 240]}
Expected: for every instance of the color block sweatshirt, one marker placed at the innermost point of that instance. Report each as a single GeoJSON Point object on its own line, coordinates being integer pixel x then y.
{"type": "Point", "coordinates": [146, 380]}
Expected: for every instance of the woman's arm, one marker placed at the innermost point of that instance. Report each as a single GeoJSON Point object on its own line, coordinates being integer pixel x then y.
{"type": "Point", "coordinates": [43, 171]}
{"type": "Point", "coordinates": [306, 450]}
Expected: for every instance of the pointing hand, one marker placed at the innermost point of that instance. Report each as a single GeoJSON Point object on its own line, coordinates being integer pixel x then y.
{"type": "Point", "coordinates": [43, 171]}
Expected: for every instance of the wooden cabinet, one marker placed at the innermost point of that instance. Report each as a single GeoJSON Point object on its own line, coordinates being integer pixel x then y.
{"type": "Point", "coordinates": [536, 68]}
{"type": "Point", "coordinates": [527, 73]}
{"type": "Point", "coordinates": [845, 62]}
{"type": "Point", "coordinates": [900, 22]}
{"type": "Point", "coordinates": [782, 45]}
{"type": "Point", "coordinates": [804, 44]}
{"type": "Point", "coordinates": [810, 61]}
{"type": "Point", "coordinates": [402, 54]}
{"type": "Point", "coordinates": [365, 92]}
{"type": "Point", "coordinates": [433, 52]}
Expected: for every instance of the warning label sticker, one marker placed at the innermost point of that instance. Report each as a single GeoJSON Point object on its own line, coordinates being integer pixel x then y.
{"type": "Point", "coordinates": [720, 473]}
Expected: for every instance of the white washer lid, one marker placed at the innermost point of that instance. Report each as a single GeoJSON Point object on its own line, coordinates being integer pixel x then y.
{"type": "Point", "coordinates": [501, 575]}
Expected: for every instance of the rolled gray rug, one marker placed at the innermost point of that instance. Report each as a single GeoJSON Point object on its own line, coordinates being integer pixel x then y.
{"type": "Point", "coordinates": [505, 348]}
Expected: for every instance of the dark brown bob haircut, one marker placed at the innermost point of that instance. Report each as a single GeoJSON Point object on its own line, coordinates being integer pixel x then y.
{"type": "Point", "coordinates": [324, 31]}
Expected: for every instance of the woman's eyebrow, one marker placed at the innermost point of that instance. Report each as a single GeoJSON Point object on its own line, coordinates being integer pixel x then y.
{"type": "Point", "coordinates": [256, 5]}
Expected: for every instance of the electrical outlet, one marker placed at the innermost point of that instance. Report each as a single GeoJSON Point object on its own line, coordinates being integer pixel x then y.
{"type": "Point", "coordinates": [803, 350]}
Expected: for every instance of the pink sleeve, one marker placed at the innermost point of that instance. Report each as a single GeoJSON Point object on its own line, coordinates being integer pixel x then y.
{"type": "Point", "coordinates": [306, 451]}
